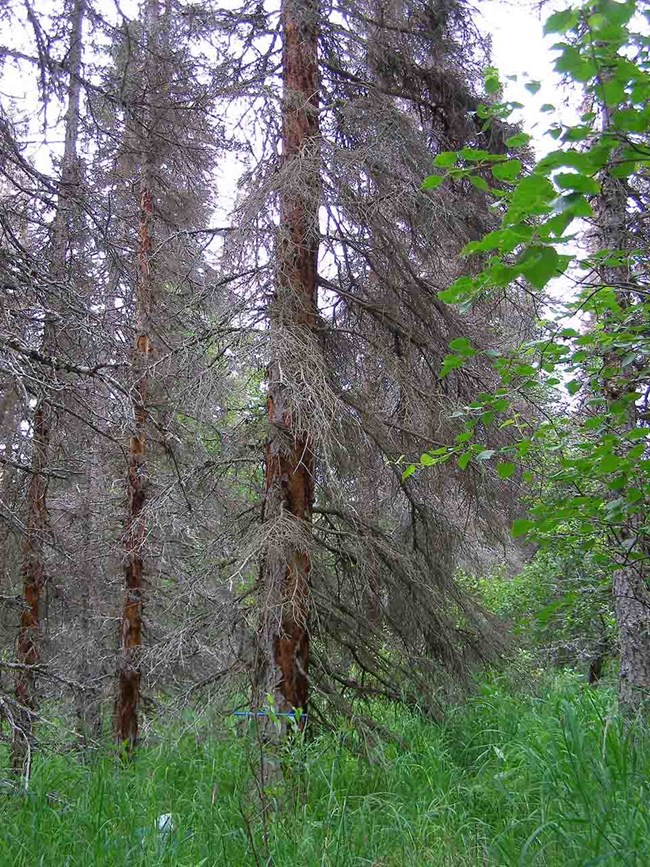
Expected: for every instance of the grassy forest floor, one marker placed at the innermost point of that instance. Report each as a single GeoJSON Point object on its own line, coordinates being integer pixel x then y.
{"type": "Point", "coordinates": [510, 778]}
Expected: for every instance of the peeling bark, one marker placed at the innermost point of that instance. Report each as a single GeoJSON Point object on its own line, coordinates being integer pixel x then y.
{"type": "Point", "coordinates": [283, 638]}
{"type": "Point", "coordinates": [126, 709]}
{"type": "Point", "coordinates": [129, 668]}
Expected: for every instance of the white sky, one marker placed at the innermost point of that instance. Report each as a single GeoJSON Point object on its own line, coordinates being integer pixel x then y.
{"type": "Point", "coordinates": [520, 48]}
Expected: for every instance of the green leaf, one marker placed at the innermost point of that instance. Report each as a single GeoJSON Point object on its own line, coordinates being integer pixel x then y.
{"type": "Point", "coordinates": [521, 526]}
{"type": "Point", "coordinates": [575, 63]}
{"type": "Point", "coordinates": [631, 120]}
{"type": "Point", "coordinates": [480, 183]}
{"type": "Point", "coordinates": [574, 386]}
{"type": "Point", "coordinates": [464, 460]}
{"type": "Point", "coordinates": [506, 171]}
{"type": "Point", "coordinates": [556, 226]}
{"type": "Point", "coordinates": [616, 12]}
{"type": "Point", "coordinates": [561, 22]}
{"type": "Point", "coordinates": [525, 370]}
{"type": "Point", "coordinates": [475, 155]}
{"type": "Point", "coordinates": [432, 182]}
{"type": "Point", "coordinates": [445, 159]}
{"type": "Point", "coordinates": [492, 83]}
{"type": "Point", "coordinates": [462, 345]}
{"type": "Point", "coordinates": [505, 470]}
{"type": "Point", "coordinates": [532, 190]}
{"type": "Point", "coordinates": [539, 265]}
{"type": "Point", "coordinates": [426, 460]}
{"type": "Point", "coordinates": [533, 86]}
{"type": "Point", "coordinates": [578, 182]}
{"type": "Point", "coordinates": [610, 463]}
{"type": "Point", "coordinates": [457, 291]}
{"type": "Point", "coordinates": [449, 296]}
{"type": "Point", "coordinates": [408, 472]}
{"type": "Point", "coordinates": [519, 140]}
{"type": "Point", "coordinates": [451, 362]}
{"type": "Point", "coordinates": [573, 204]}
{"type": "Point", "coordinates": [613, 92]}
{"type": "Point", "coordinates": [578, 133]}
{"type": "Point", "coordinates": [491, 241]}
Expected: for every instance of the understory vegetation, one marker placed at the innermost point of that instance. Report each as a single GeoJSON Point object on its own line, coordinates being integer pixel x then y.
{"type": "Point", "coordinates": [533, 776]}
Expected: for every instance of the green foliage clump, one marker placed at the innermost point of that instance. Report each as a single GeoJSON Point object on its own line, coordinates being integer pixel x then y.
{"type": "Point", "coordinates": [560, 604]}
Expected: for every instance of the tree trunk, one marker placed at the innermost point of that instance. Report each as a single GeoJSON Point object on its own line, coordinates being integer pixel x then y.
{"type": "Point", "coordinates": [632, 606]}
{"type": "Point", "coordinates": [129, 669]}
{"type": "Point", "coordinates": [34, 574]}
{"type": "Point", "coordinates": [283, 639]}
{"type": "Point", "coordinates": [28, 644]}
{"type": "Point", "coordinates": [88, 698]}
{"type": "Point", "coordinates": [630, 584]}
{"type": "Point", "coordinates": [126, 709]}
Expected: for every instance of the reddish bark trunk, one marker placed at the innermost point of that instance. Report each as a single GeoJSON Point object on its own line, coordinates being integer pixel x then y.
{"type": "Point", "coordinates": [28, 644]}
{"type": "Point", "coordinates": [283, 649]}
{"type": "Point", "coordinates": [129, 668]}
{"type": "Point", "coordinates": [128, 699]}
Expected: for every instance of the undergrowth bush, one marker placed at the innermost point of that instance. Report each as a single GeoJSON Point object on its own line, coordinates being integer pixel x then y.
{"type": "Point", "coordinates": [559, 604]}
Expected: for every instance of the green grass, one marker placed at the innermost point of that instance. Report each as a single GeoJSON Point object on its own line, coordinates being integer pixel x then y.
{"type": "Point", "coordinates": [509, 779]}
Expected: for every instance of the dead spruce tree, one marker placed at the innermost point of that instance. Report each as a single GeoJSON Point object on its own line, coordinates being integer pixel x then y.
{"type": "Point", "coordinates": [58, 351]}
{"type": "Point", "coordinates": [177, 322]}
{"type": "Point", "coordinates": [282, 652]}
{"type": "Point", "coordinates": [146, 289]}
{"type": "Point", "coordinates": [354, 372]}
{"type": "Point", "coordinates": [404, 83]}
{"type": "Point", "coordinates": [34, 567]}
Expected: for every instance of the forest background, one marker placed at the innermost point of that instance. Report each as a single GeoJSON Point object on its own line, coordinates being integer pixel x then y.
{"type": "Point", "coordinates": [382, 430]}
